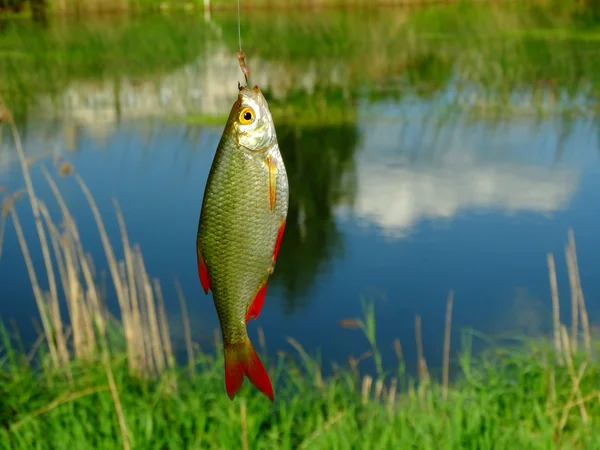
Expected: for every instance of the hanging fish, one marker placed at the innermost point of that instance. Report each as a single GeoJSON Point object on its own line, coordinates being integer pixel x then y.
{"type": "Point", "coordinates": [240, 230]}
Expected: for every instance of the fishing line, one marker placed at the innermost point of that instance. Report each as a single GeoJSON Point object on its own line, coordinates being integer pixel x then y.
{"type": "Point", "coordinates": [239, 26]}
{"type": "Point", "coordinates": [241, 57]}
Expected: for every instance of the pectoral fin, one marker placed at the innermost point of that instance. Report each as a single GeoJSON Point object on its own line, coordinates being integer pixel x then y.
{"type": "Point", "coordinates": [272, 181]}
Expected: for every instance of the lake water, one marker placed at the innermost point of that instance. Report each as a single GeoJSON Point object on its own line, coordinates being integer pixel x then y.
{"type": "Point", "coordinates": [420, 161]}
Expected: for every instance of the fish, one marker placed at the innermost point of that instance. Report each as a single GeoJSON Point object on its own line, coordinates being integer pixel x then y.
{"type": "Point", "coordinates": [240, 230]}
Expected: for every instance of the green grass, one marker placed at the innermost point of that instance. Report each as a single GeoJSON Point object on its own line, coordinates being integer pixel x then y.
{"type": "Point", "coordinates": [505, 399]}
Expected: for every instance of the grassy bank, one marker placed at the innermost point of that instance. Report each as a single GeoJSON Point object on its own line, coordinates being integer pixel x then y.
{"type": "Point", "coordinates": [512, 399]}
{"type": "Point", "coordinates": [127, 6]}
{"type": "Point", "coordinates": [99, 380]}
{"type": "Point", "coordinates": [541, 61]}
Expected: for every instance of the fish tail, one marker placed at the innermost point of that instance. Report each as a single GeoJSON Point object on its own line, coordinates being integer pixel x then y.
{"type": "Point", "coordinates": [241, 359]}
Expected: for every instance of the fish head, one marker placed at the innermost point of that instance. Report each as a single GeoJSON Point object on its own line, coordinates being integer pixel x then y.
{"type": "Point", "coordinates": [251, 121]}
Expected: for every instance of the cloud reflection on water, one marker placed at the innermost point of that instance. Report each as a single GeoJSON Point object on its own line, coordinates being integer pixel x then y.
{"type": "Point", "coordinates": [396, 191]}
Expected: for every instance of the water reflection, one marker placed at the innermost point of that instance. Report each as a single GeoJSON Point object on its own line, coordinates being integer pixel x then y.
{"type": "Point", "coordinates": [203, 87]}
{"type": "Point", "coordinates": [382, 175]}
{"type": "Point", "coordinates": [396, 192]}
{"type": "Point", "coordinates": [321, 170]}
{"type": "Point", "coordinates": [379, 154]}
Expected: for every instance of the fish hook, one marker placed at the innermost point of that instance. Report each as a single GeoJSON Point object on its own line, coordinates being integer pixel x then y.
{"type": "Point", "coordinates": [242, 59]}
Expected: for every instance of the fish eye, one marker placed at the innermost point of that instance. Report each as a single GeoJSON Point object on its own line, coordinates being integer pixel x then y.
{"type": "Point", "coordinates": [246, 116]}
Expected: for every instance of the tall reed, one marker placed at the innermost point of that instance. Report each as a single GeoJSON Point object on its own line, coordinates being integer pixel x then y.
{"type": "Point", "coordinates": [565, 352]}
{"type": "Point", "coordinates": [145, 327]}
{"type": "Point", "coordinates": [580, 327]}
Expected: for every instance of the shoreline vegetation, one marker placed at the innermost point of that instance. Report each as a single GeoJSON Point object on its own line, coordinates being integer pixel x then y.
{"type": "Point", "coordinates": [41, 9]}
{"type": "Point", "coordinates": [101, 381]}
{"type": "Point", "coordinates": [543, 63]}
{"type": "Point", "coordinates": [66, 7]}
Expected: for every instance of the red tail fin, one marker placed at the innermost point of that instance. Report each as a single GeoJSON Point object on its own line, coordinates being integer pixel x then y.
{"type": "Point", "coordinates": [241, 359]}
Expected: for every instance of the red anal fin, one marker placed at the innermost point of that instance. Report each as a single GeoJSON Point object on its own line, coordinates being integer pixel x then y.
{"type": "Point", "coordinates": [257, 303]}
{"type": "Point", "coordinates": [241, 360]}
{"type": "Point", "coordinates": [202, 270]}
{"type": "Point", "coordinates": [278, 241]}
{"type": "Point", "coordinates": [272, 181]}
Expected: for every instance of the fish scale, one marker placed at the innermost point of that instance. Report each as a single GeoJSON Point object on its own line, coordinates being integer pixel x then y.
{"type": "Point", "coordinates": [239, 229]}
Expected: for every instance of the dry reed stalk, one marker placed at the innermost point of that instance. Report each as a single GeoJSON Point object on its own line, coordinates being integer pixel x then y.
{"type": "Point", "coordinates": [262, 343]}
{"type": "Point", "coordinates": [117, 281]}
{"type": "Point", "coordinates": [447, 333]}
{"type": "Point", "coordinates": [587, 398]}
{"type": "Point", "coordinates": [153, 330]}
{"type": "Point", "coordinates": [136, 325]}
{"type": "Point", "coordinates": [68, 332]}
{"type": "Point", "coordinates": [52, 313]}
{"type": "Point", "coordinates": [352, 324]}
{"type": "Point", "coordinates": [96, 306]}
{"type": "Point", "coordinates": [146, 354]}
{"type": "Point", "coordinates": [62, 354]}
{"type": "Point", "coordinates": [571, 368]}
{"type": "Point", "coordinates": [392, 396]}
{"type": "Point", "coordinates": [587, 339]}
{"type": "Point", "coordinates": [55, 240]}
{"type": "Point", "coordinates": [87, 267]}
{"type": "Point", "coordinates": [574, 299]}
{"type": "Point", "coordinates": [141, 342]}
{"type": "Point", "coordinates": [555, 306]}
{"type": "Point", "coordinates": [35, 347]}
{"type": "Point", "coordinates": [89, 344]}
{"type": "Point", "coordinates": [398, 350]}
{"type": "Point", "coordinates": [118, 407]}
{"type": "Point", "coordinates": [422, 364]}
{"type": "Point", "coordinates": [244, 425]}
{"type": "Point", "coordinates": [78, 299]}
{"type": "Point", "coordinates": [37, 291]}
{"type": "Point", "coordinates": [574, 391]}
{"type": "Point", "coordinates": [164, 324]}
{"type": "Point", "coordinates": [73, 301]}
{"type": "Point", "coordinates": [186, 327]}
{"type": "Point", "coordinates": [365, 390]}
{"type": "Point", "coordinates": [353, 362]}
{"type": "Point", "coordinates": [378, 389]}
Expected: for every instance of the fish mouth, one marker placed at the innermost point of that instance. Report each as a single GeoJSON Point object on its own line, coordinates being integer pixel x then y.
{"type": "Point", "coordinates": [254, 94]}
{"type": "Point", "coordinates": [255, 89]}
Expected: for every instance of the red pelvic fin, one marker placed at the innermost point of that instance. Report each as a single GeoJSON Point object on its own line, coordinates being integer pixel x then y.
{"type": "Point", "coordinates": [241, 359]}
{"type": "Point", "coordinates": [257, 303]}
{"type": "Point", "coordinates": [202, 270]}
{"type": "Point", "coordinates": [278, 241]}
